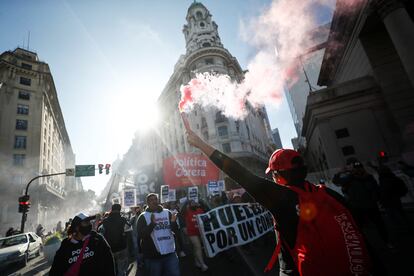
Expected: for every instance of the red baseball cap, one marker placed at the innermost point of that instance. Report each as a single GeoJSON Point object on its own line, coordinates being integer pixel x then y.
{"type": "Point", "coordinates": [281, 160]}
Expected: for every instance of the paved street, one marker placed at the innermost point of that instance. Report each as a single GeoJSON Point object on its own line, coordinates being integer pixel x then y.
{"type": "Point", "coordinates": [36, 266]}
{"type": "Point", "coordinates": [252, 260]}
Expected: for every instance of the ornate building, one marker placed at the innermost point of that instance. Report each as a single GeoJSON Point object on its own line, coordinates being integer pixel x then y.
{"type": "Point", "coordinates": [246, 140]}
{"type": "Point", "coordinates": [33, 138]}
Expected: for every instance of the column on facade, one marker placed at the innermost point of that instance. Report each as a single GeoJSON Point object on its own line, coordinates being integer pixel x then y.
{"type": "Point", "coordinates": [400, 28]}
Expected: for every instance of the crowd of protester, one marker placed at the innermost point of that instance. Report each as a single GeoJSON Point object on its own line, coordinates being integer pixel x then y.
{"type": "Point", "coordinates": [107, 243]}
{"type": "Point", "coordinates": [155, 236]}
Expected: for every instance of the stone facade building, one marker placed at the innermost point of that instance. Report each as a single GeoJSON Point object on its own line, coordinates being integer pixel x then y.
{"type": "Point", "coordinates": [368, 104]}
{"type": "Point", "coordinates": [33, 138]}
{"type": "Point", "coordinates": [247, 140]}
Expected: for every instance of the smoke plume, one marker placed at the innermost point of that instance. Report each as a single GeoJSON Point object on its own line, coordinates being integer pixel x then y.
{"type": "Point", "coordinates": [280, 35]}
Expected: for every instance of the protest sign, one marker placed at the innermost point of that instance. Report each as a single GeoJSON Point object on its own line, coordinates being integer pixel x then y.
{"type": "Point", "coordinates": [172, 195]}
{"type": "Point", "coordinates": [220, 185]}
{"type": "Point", "coordinates": [183, 200]}
{"type": "Point", "coordinates": [129, 198]}
{"type": "Point", "coordinates": [187, 169]}
{"type": "Point", "coordinates": [233, 225]}
{"type": "Point", "coordinates": [212, 188]}
{"type": "Point", "coordinates": [145, 181]}
{"type": "Point", "coordinates": [164, 193]}
{"type": "Point", "coordinates": [193, 193]}
{"type": "Point", "coordinates": [116, 200]}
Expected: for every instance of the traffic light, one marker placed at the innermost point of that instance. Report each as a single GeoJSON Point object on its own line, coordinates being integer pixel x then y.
{"type": "Point", "coordinates": [100, 167]}
{"type": "Point", "coordinates": [107, 167]}
{"type": "Point", "coordinates": [382, 157]}
{"type": "Point", "coordinates": [24, 204]}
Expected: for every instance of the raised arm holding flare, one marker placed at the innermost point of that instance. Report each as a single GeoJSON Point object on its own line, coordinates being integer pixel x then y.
{"type": "Point", "coordinates": [312, 222]}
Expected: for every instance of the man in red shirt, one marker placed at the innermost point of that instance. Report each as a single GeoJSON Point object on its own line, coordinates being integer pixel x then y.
{"type": "Point", "coordinates": [191, 209]}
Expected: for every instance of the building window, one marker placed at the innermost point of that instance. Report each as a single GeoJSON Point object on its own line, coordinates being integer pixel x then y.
{"type": "Point", "coordinates": [237, 126]}
{"type": "Point", "coordinates": [203, 122]}
{"type": "Point", "coordinates": [199, 15]}
{"type": "Point", "coordinates": [22, 109]}
{"type": "Point", "coordinates": [24, 95]}
{"type": "Point", "coordinates": [341, 133]}
{"type": "Point", "coordinates": [207, 44]}
{"type": "Point", "coordinates": [21, 124]}
{"type": "Point", "coordinates": [25, 81]}
{"type": "Point", "coordinates": [20, 142]}
{"type": "Point", "coordinates": [202, 24]}
{"type": "Point", "coordinates": [222, 131]}
{"type": "Point", "coordinates": [220, 118]}
{"type": "Point", "coordinates": [26, 66]}
{"type": "Point", "coordinates": [348, 150]}
{"type": "Point", "coordinates": [248, 132]}
{"type": "Point", "coordinates": [226, 147]}
{"type": "Point", "coordinates": [208, 61]}
{"type": "Point", "coordinates": [18, 159]}
{"type": "Point", "coordinates": [205, 135]}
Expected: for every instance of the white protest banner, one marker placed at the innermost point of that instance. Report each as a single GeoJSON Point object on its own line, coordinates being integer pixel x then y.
{"type": "Point", "coordinates": [233, 225]}
{"type": "Point", "coordinates": [164, 193]}
{"type": "Point", "coordinates": [220, 185]}
{"type": "Point", "coordinates": [193, 193]}
{"type": "Point", "coordinates": [116, 200]}
{"type": "Point", "coordinates": [212, 188]}
{"type": "Point", "coordinates": [183, 200]}
{"type": "Point", "coordinates": [129, 198]}
{"type": "Point", "coordinates": [172, 195]}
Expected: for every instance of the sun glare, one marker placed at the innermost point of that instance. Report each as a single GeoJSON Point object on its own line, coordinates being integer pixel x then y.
{"type": "Point", "coordinates": [147, 117]}
{"type": "Point", "coordinates": [133, 112]}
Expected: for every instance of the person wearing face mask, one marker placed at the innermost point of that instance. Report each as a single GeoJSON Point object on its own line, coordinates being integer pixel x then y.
{"type": "Point", "coordinates": [315, 230]}
{"type": "Point", "coordinates": [83, 252]}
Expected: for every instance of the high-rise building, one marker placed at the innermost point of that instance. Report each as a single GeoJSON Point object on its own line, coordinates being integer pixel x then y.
{"type": "Point", "coordinates": [310, 63]}
{"type": "Point", "coordinates": [33, 138]}
{"type": "Point", "coordinates": [276, 138]}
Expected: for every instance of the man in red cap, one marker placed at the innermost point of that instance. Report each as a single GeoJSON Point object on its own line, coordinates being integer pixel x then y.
{"type": "Point", "coordinates": [313, 240]}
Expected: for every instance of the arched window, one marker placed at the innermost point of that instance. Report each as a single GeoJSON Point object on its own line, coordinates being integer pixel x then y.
{"type": "Point", "coordinates": [202, 24]}
{"type": "Point", "coordinates": [206, 44]}
{"type": "Point", "coordinates": [199, 15]}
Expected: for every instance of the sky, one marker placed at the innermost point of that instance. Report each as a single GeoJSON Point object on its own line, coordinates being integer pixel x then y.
{"type": "Point", "coordinates": [111, 59]}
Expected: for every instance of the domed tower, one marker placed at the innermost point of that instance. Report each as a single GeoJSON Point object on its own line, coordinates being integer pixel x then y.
{"type": "Point", "coordinates": [247, 139]}
{"type": "Point", "coordinates": [200, 31]}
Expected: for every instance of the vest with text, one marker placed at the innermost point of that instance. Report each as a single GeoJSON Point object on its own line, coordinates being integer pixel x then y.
{"type": "Point", "coordinates": [162, 235]}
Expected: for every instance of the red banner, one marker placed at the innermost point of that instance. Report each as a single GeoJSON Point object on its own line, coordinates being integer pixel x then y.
{"type": "Point", "coordinates": [189, 169]}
